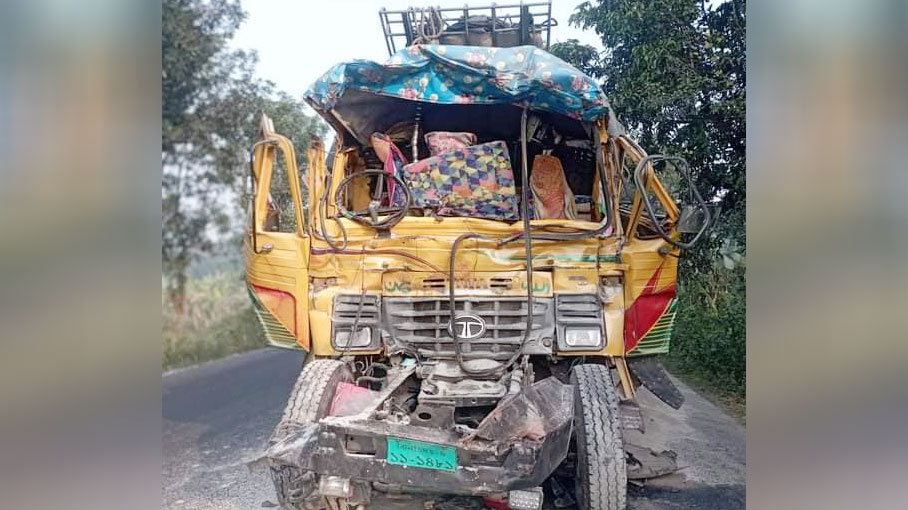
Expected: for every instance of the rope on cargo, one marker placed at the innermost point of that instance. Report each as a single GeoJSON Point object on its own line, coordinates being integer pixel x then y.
{"type": "Point", "coordinates": [430, 26]}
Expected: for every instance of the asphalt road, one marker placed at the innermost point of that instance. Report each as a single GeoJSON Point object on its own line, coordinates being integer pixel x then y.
{"type": "Point", "coordinates": [218, 415]}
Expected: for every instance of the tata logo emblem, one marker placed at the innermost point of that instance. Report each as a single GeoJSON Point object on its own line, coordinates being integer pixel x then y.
{"type": "Point", "coordinates": [467, 326]}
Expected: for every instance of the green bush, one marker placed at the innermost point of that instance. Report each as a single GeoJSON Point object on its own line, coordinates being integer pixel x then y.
{"type": "Point", "coordinates": [710, 336]}
{"type": "Point", "coordinates": [217, 320]}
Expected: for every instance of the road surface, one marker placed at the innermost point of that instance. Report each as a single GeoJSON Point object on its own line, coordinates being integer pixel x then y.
{"type": "Point", "coordinates": [218, 415]}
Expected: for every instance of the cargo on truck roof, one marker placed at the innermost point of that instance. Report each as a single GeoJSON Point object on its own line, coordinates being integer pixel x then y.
{"type": "Point", "coordinates": [498, 25]}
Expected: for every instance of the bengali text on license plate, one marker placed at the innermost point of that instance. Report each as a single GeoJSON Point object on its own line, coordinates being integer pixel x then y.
{"type": "Point", "coordinates": [405, 452]}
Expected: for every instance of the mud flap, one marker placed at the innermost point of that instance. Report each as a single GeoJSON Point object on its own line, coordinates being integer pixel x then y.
{"type": "Point", "coordinates": [651, 374]}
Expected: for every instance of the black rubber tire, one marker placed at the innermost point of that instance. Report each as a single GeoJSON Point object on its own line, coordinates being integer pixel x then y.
{"type": "Point", "coordinates": [309, 401]}
{"type": "Point", "coordinates": [601, 482]}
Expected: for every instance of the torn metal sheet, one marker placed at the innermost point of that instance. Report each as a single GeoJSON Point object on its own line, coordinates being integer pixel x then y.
{"type": "Point", "coordinates": [531, 414]}
{"type": "Point", "coordinates": [299, 441]}
{"type": "Point", "coordinates": [644, 463]}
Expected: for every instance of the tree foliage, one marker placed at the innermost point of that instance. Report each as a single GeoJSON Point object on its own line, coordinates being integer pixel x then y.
{"type": "Point", "coordinates": [582, 56]}
{"type": "Point", "coordinates": [211, 104]}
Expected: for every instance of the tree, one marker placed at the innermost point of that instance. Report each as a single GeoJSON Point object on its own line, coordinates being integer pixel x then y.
{"type": "Point", "coordinates": [193, 34]}
{"type": "Point", "coordinates": [211, 103]}
{"type": "Point", "coordinates": [582, 56]}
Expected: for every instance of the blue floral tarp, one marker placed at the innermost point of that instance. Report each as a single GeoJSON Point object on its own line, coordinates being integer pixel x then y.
{"type": "Point", "coordinates": [523, 75]}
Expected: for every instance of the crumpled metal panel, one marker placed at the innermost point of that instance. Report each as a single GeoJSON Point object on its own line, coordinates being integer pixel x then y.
{"type": "Point", "coordinates": [644, 463]}
{"type": "Point", "coordinates": [498, 461]}
{"type": "Point", "coordinates": [535, 412]}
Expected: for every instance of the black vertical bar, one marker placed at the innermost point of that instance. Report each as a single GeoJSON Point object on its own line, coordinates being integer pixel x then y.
{"type": "Point", "coordinates": [384, 26]}
{"type": "Point", "coordinates": [523, 13]}
{"type": "Point", "coordinates": [408, 30]}
{"type": "Point", "coordinates": [466, 25]}
{"type": "Point", "coordinates": [494, 22]}
{"type": "Point", "coordinates": [548, 34]}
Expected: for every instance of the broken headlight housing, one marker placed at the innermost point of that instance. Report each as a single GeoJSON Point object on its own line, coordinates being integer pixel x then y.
{"type": "Point", "coordinates": [354, 310]}
{"type": "Point", "coordinates": [578, 319]}
{"type": "Point", "coordinates": [362, 338]}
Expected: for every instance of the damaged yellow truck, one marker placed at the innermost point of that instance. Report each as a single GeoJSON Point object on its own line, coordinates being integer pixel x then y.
{"type": "Point", "coordinates": [482, 271]}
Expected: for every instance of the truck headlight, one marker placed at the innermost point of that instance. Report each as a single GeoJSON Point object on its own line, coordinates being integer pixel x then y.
{"type": "Point", "coordinates": [363, 338]}
{"type": "Point", "coordinates": [582, 337]}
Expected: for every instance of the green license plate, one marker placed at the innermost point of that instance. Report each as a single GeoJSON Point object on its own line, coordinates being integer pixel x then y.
{"type": "Point", "coordinates": [405, 452]}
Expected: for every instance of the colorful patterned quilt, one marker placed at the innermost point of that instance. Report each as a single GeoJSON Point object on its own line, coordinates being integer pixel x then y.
{"type": "Point", "coordinates": [472, 181]}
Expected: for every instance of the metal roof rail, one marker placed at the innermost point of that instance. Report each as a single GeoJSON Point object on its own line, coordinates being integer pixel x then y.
{"type": "Point", "coordinates": [496, 25]}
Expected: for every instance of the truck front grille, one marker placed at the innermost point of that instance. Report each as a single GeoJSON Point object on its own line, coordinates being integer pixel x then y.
{"type": "Point", "coordinates": [422, 323]}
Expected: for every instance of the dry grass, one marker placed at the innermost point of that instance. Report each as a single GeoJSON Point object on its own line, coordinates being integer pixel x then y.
{"type": "Point", "coordinates": [218, 320]}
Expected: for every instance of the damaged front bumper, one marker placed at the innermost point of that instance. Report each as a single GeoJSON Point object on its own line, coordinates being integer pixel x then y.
{"type": "Point", "coordinates": [517, 446]}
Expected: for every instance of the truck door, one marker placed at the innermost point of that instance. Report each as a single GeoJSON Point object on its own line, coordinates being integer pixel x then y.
{"type": "Point", "coordinates": [276, 244]}
{"type": "Point", "coordinates": [653, 246]}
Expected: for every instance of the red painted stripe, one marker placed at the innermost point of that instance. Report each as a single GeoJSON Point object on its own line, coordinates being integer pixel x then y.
{"type": "Point", "coordinates": [280, 294]}
{"type": "Point", "coordinates": [646, 310]}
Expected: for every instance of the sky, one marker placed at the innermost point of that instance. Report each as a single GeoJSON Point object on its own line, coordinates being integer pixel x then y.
{"type": "Point", "coordinates": [298, 40]}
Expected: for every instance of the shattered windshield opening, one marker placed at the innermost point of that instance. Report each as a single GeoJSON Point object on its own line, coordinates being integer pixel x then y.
{"type": "Point", "coordinates": [461, 173]}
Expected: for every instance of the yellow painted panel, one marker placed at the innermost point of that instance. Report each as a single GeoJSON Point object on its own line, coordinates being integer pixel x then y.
{"type": "Point", "coordinates": [576, 281]}
{"type": "Point", "coordinates": [475, 283]}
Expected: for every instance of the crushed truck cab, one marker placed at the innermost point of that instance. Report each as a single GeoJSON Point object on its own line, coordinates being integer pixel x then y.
{"type": "Point", "coordinates": [482, 271]}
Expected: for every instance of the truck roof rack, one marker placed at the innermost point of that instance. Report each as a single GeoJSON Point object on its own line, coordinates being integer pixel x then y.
{"type": "Point", "coordinates": [492, 25]}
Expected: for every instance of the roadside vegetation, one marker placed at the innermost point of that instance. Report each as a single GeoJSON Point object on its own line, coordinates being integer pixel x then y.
{"type": "Point", "coordinates": [217, 318]}
{"type": "Point", "coordinates": [212, 102]}
{"type": "Point", "coordinates": [709, 349]}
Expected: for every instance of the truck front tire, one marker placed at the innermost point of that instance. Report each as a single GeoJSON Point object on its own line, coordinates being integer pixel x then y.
{"type": "Point", "coordinates": [309, 401]}
{"type": "Point", "coordinates": [601, 482]}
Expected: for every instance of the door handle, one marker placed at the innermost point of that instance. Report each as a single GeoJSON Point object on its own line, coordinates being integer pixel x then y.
{"type": "Point", "coordinates": [266, 248]}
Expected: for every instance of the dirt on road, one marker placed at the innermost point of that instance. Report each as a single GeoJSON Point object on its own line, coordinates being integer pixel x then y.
{"type": "Point", "coordinates": [217, 417]}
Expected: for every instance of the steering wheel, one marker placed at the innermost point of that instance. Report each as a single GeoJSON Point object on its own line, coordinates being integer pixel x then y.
{"type": "Point", "coordinates": [376, 217]}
